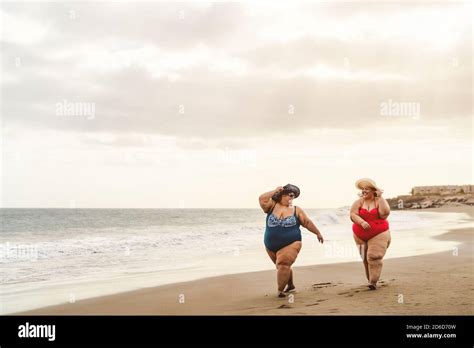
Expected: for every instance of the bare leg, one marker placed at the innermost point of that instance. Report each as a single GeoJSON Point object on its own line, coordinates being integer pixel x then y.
{"type": "Point", "coordinates": [285, 258]}
{"type": "Point", "coordinates": [290, 285]}
{"type": "Point", "coordinates": [376, 249]}
{"type": "Point", "coordinates": [362, 246]}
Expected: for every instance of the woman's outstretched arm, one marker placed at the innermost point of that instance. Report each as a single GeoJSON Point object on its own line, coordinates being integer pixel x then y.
{"type": "Point", "coordinates": [266, 201]}
{"type": "Point", "coordinates": [307, 223]}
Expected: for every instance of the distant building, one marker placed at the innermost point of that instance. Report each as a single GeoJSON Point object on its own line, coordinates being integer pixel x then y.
{"type": "Point", "coordinates": [442, 190]}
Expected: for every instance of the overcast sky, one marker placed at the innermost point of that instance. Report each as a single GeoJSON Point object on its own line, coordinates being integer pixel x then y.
{"type": "Point", "coordinates": [210, 104]}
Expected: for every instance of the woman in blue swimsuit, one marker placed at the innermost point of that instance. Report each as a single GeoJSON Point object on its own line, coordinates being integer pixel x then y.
{"type": "Point", "coordinates": [282, 234]}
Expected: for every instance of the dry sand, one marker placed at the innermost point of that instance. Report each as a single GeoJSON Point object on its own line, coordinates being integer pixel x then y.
{"type": "Point", "coordinates": [433, 284]}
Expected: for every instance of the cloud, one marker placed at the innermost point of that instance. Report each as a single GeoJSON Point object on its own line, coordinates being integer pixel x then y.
{"type": "Point", "coordinates": [232, 70]}
{"type": "Point", "coordinates": [167, 24]}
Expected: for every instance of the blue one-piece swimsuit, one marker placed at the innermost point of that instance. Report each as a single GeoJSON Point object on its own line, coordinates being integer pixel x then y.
{"type": "Point", "coordinates": [281, 232]}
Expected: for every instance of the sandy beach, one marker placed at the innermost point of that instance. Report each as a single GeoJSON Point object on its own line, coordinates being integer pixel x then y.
{"type": "Point", "coordinates": [433, 284]}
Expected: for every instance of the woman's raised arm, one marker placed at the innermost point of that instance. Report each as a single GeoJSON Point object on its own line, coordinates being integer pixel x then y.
{"type": "Point", "coordinates": [384, 207]}
{"type": "Point", "coordinates": [266, 201]}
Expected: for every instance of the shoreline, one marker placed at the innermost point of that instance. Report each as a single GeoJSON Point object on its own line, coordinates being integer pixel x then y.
{"type": "Point", "coordinates": [420, 284]}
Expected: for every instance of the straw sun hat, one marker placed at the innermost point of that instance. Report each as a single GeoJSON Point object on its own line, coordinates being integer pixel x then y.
{"type": "Point", "coordinates": [364, 182]}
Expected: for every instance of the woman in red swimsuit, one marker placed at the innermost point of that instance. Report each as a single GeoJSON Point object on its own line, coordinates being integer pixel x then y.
{"type": "Point", "coordinates": [371, 231]}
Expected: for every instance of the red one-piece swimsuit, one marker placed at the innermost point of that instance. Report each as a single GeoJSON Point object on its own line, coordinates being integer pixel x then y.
{"type": "Point", "coordinates": [377, 225]}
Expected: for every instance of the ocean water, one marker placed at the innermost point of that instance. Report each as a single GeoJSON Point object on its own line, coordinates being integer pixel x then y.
{"type": "Point", "coordinates": [50, 256]}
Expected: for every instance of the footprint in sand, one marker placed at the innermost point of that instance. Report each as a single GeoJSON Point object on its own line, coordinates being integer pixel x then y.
{"type": "Point", "coordinates": [385, 282]}
{"type": "Point", "coordinates": [283, 306]}
{"type": "Point", "coordinates": [350, 293]}
{"type": "Point", "coordinates": [323, 285]}
{"type": "Point", "coordinates": [316, 303]}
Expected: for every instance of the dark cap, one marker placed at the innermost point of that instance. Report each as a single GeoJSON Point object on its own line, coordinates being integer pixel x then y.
{"type": "Point", "coordinates": [288, 188]}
